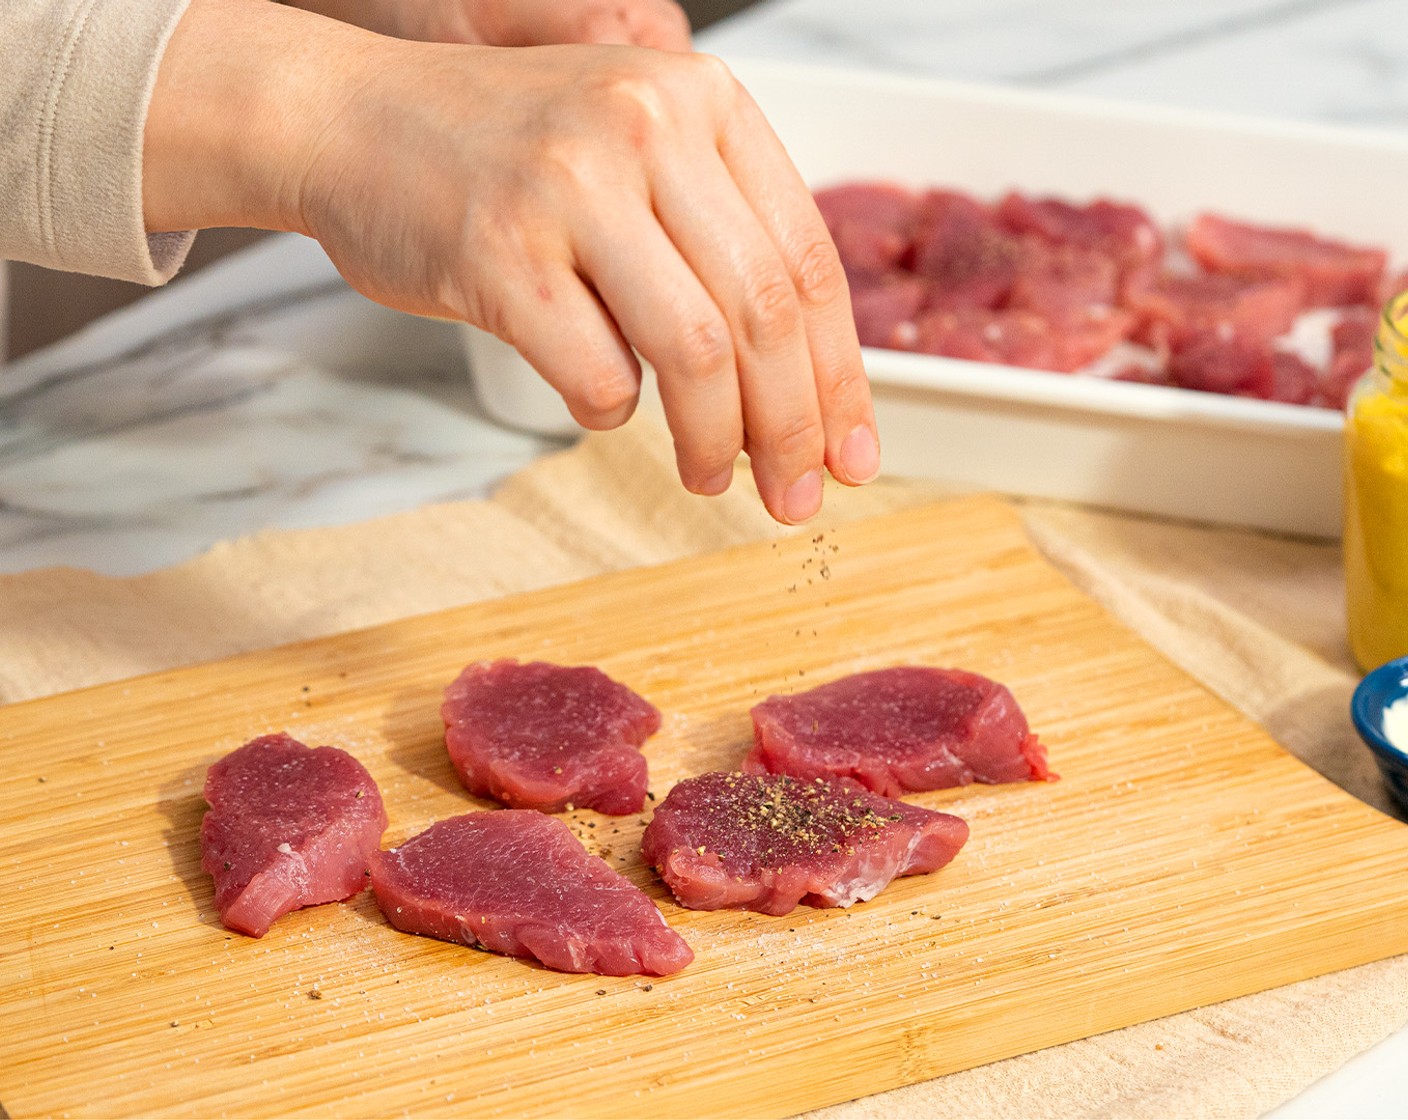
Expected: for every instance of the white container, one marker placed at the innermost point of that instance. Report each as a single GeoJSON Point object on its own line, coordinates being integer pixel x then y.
{"type": "Point", "coordinates": [1166, 451]}
{"type": "Point", "coordinates": [510, 390]}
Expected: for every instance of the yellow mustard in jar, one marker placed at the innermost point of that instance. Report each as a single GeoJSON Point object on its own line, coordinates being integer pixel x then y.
{"type": "Point", "coordinates": [1376, 497]}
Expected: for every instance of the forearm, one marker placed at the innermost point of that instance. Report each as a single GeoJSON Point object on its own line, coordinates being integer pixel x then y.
{"type": "Point", "coordinates": [244, 90]}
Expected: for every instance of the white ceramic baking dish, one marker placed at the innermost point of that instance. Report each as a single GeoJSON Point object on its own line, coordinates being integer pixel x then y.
{"type": "Point", "coordinates": [1165, 451]}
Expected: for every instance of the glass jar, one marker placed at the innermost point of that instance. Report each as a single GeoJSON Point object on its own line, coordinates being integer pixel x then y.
{"type": "Point", "coordinates": [1376, 497]}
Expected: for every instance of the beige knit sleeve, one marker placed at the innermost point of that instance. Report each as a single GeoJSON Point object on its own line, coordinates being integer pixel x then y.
{"type": "Point", "coordinates": [76, 77]}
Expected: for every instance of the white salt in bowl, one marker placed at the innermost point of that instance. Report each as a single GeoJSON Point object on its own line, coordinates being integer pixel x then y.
{"type": "Point", "coordinates": [1380, 689]}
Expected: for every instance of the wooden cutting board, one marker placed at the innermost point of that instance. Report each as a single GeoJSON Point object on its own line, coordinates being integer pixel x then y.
{"type": "Point", "coordinates": [1182, 858]}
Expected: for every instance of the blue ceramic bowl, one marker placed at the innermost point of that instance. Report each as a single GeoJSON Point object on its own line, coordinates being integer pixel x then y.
{"type": "Point", "coordinates": [1387, 683]}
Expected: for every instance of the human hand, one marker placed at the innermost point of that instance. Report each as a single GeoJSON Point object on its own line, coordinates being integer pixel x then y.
{"type": "Point", "coordinates": [518, 23]}
{"type": "Point", "coordinates": [579, 202]}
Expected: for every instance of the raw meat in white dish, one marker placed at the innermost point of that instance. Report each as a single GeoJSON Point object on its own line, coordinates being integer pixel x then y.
{"type": "Point", "coordinates": [959, 246]}
{"type": "Point", "coordinates": [1333, 272]}
{"type": "Point", "coordinates": [1097, 288]}
{"type": "Point", "coordinates": [1121, 230]}
{"type": "Point", "coordinates": [872, 224]}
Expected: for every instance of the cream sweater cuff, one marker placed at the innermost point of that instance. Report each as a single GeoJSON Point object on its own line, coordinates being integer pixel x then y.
{"type": "Point", "coordinates": [76, 78]}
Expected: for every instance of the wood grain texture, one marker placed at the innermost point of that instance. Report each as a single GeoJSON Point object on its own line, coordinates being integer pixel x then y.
{"type": "Point", "coordinates": [1182, 858]}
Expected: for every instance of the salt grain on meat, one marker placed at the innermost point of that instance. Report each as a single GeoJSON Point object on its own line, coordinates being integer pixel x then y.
{"type": "Point", "coordinates": [288, 826]}
{"type": "Point", "coordinates": [519, 883]}
{"type": "Point", "coordinates": [542, 736]}
{"type": "Point", "coordinates": [898, 729]}
{"type": "Point", "coordinates": [767, 842]}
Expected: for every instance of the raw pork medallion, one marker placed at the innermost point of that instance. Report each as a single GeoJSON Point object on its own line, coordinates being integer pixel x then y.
{"type": "Point", "coordinates": [517, 882]}
{"type": "Point", "coordinates": [540, 736]}
{"type": "Point", "coordinates": [892, 730]}
{"type": "Point", "coordinates": [767, 842]}
{"type": "Point", "coordinates": [288, 826]}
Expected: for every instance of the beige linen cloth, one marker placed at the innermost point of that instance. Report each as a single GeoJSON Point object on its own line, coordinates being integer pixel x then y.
{"type": "Point", "coordinates": [1256, 618]}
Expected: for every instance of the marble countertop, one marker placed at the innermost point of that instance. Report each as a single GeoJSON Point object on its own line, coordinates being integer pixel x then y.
{"type": "Point", "coordinates": [264, 393]}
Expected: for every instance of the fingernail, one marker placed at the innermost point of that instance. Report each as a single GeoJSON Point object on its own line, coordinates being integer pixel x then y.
{"type": "Point", "coordinates": [803, 498]}
{"type": "Point", "coordinates": [718, 484]}
{"type": "Point", "coordinates": [860, 455]}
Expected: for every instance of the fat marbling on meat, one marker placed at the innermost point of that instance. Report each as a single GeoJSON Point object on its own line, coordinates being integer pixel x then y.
{"type": "Point", "coordinates": [517, 882]}
{"type": "Point", "coordinates": [892, 730]}
{"type": "Point", "coordinates": [766, 842]}
{"type": "Point", "coordinates": [289, 826]}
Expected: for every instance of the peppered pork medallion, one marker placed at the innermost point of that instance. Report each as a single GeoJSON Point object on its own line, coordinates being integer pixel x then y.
{"type": "Point", "coordinates": [766, 842]}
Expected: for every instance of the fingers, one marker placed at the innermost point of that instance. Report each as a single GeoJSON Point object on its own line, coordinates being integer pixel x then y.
{"type": "Point", "coordinates": [663, 308]}
{"type": "Point", "coordinates": [775, 192]}
{"type": "Point", "coordinates": [726, 246]}
{"type": "Point", "coordinates": [726, 280]}
{"type": "Point", "coordinates": [661, 24]}
{"type": "Point", "coordinates": [565, 334]}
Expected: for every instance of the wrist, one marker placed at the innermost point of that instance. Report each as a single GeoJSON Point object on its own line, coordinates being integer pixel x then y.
{"type": "Point", "coordinates": [243, 94]}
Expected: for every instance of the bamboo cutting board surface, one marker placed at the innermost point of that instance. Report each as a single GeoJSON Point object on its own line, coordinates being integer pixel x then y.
{"type": "Point", "coordinates": [1182, 858]}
